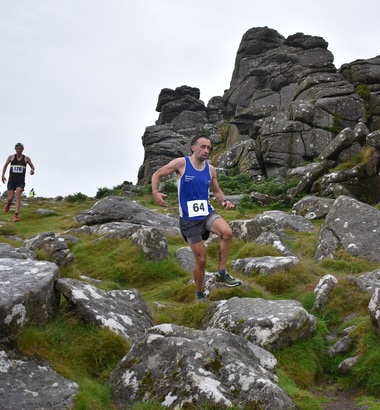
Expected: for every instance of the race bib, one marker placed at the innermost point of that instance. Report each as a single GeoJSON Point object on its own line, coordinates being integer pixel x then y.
{"type": "Point", "coordinates": [197, 208]}
{"type": "Point", "coordinates": [17, 169]}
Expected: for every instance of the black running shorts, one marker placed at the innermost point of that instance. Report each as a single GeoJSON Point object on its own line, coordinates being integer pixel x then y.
{"type": "Point", "coordinates": [196, 231]}
{"type": "Point", "coordinates": [12, 185]}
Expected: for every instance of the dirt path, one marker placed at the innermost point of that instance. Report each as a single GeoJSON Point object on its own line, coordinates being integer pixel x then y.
{"type": "Point", "coordinates": [338, 399]}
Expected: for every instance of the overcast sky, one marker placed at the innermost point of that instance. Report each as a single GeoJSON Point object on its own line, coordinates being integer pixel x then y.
{"type": "Point", "coordinates": [80, 79]}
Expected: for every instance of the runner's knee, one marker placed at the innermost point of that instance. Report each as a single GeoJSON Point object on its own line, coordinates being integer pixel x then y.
{"type": "Point", "coordinates": [200, 260]}
{"type": "Point", "coordinates": [226, 234]}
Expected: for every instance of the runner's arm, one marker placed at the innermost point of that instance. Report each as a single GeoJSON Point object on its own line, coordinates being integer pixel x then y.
{"type": "Point", "coordinates": [175, 166]}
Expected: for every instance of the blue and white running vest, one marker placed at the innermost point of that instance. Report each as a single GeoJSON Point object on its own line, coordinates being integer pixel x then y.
{"type": "Point", "coordinates": [193, 192]}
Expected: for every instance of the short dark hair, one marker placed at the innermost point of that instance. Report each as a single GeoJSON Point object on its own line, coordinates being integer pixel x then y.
{"type": "Point", "coordinates": [19, 145]}
{"type": "Point", "coordinates": [197, 137]}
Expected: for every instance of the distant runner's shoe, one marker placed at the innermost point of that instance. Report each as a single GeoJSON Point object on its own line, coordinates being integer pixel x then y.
{"type": "Point", "coordinates": [16, 218]}
{"type": "Point", "coordinates": [227, 280]}
{"type": "Point", "coordinates": [6, 207]}
{"type": "Point", "coordinates": [200, 298]}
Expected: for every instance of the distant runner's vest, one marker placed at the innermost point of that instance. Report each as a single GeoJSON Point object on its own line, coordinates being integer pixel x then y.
{"type": "Point", "coordinates": [193, 192]}
{"type": "Point", "coordinates": [18, 169]}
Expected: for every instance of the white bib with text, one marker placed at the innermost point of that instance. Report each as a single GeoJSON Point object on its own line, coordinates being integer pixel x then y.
{"type": "Point", "coordinates": [197, 208]}
{"type": "Point", "coordinates": [17, 169]}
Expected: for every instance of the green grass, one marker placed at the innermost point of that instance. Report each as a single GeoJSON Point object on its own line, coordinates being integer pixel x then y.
{"type": "Point", "coordinates": [304, 361]}
{"type": "Point", "coordinates": [304, 399]}
{"type": "Point", "coordinates": [32, 222]}
{"type": "Point", "coordinates": [87, 354]}
{"type": "Point", "coordinates": [78, 352]}
{"type": "Point", "coordinates": [366, 372]}
{"type": "Point", "coordinates": [66, 340]}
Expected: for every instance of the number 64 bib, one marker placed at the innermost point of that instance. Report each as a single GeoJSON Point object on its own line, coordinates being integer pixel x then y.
{"type": "Point", "coordinates": [197, 208]}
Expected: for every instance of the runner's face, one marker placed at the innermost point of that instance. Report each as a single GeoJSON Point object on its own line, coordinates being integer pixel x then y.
{"type": "Point", "coordinates": [19, 149]}
{"type": "Point", "coordinates": [201, 149]}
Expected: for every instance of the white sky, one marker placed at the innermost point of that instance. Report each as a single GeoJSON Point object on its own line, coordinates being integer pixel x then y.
{"type": "Point", "coordinates": [80, 79]}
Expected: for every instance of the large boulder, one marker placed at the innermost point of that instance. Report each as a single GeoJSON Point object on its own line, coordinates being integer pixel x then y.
{"type": "Point", "coordinates": [53, 245]}
{"type": "Point", "coordinates": [246, 230]}
{"type": "Point", "coordinates": [368, 281]}
{"type": "Point", "coordinates": [27, 294]}
{"type": "Point", "coordinates": [32, 384]}
{"type": "Point", "coordinates": [180, 367]}
{"type": "Point", "coordinates": [8, 251]}
{"type": "Point", "coordinates": [116, 208]}
{"type": "Point", "coordinates": [153, 243]}
{"type": "Point", "coordinates": [353, 225]}
{"type": "Point", "coordinates": [264, 265]}
{"type": "Point", "coordinates": [312, 207]}
{"type": "Point", "coordinates": [122, 311]}
{"type": "Point", "coordinates": [270, 324]}
{"type": "Point", "coordinates": [277, 220]}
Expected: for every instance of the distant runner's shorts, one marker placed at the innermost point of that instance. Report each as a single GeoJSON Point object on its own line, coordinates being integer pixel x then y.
{"type": "Point", "coordinates": [196, 231]}
{"type": "Point", "coordinates": [12, 185]}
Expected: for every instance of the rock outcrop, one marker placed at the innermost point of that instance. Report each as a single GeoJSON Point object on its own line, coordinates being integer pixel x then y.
{"type": "Point", "coordinates": [287, 108]}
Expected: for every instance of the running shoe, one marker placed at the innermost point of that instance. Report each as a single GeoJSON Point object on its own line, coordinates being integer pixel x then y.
{"type": "Point", "coordinates": [16, 218]}
{"type": "Point", "coordinates": [200, 298]}
{"type": "Point", "coordinates": [227, 280]}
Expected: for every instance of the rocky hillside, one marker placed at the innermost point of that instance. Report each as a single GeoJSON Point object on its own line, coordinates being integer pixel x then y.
{"type": "Point", "coordinates": [287, 112]}
{"type": "Point", "coordinates": [231, 358]}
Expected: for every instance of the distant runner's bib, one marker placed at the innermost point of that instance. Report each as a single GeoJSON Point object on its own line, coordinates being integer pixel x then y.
{"type": "Point", "coordinates": [17, 169]}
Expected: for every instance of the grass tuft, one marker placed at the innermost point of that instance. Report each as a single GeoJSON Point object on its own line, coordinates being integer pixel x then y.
{"type": "Point", "coordinates": [366, 372]}
{"type": "Point", "coordinates": [303, 361]}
